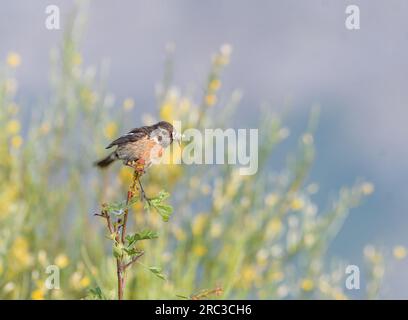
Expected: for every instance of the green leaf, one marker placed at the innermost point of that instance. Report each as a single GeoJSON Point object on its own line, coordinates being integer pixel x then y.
{"type": "Point", "coordinates": [118, 208]}
{"type": "Point", "coordinates": [157, 272]}
{"type": "Point", "coordinates": [145, 234]}
{"type": "Point", "coordinates": [163, 195]}
{"type": "Point", "coordinates": [142, 235]}
{"type": "Point", "coordinates": [182, 297]}
{"type": "Point", "coordinates": [132, 251]}
{"type": "Point", "coordinates": [165, 210]}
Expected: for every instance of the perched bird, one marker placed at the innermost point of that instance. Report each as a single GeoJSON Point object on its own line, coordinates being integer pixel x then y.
{"type": "Point", "coordinates": [141, 147]}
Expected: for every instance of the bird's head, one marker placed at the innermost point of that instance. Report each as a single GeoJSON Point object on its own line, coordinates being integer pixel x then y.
{"type": "Point", "coordinates": [164, 133]}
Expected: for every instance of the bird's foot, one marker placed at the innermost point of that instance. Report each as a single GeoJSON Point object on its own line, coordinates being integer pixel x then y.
{"type": "Point", "coordinates": [130, 163]}
{"type": "Point", "coordinates": [139, 166]}
{"type": "Point", "coordinates": [136, 165]}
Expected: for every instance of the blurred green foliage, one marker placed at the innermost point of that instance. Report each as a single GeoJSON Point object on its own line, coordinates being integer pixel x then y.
{"type": "Point", "coordinates": [230, 236]}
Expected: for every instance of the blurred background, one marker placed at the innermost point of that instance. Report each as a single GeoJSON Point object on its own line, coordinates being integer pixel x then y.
{"type": "Point", "coordinates": [331, 105]}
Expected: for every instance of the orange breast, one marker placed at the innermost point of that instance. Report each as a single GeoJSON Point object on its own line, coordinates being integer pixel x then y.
{"type": "Point", "coordinates": [146, 150]}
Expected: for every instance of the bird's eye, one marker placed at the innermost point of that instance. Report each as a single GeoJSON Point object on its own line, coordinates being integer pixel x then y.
{"type": "Point", "coordinates": [159, 138]}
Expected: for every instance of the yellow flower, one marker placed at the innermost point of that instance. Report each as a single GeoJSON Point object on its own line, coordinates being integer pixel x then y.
{"type": "Point", "coordinates": [110, 130]}
{"type": "Point", "coordinates": [128, 104]}
{"type": "Point", "coordinates": [198, 224]}
{"type": "Point", "coordinates": [297, 204]}
{"type": "Point", "coordinates": [399, 252]}
{"type": "Point", "coordinates": [199, 250]}
{"type": "Point", "coordinates": [210, 99]}
{"type": "Point", "coordinates": [248, 275]}
{"type": "Point", "coordinates": [13, 126]}
{"type": "Point", "coordinates": [307, 285]}
{"type": "Point", "coordinates": [214, 85]}
{"type": "Point", "coordinates": [61, 261]}
{"type": "Point", "coordinates": [85, 282]}
{"type": "Point", "coordinates": [20, 254]}
{"type": "Point", "coordinates": [367, 188]}
{"type": "Point", "coordinates": [37, 294]}
{"type": "Point", "coordinates": [13, 59]}
{"type": "Point", "coordinates": [216, 230]}
{"type": "Point", "coordinates": [166, 112]}
{"type": "Point", "coordinates": [274, 226]}
{"type": "Point", "coordinates": [16, 141]}
{"type": "Point", "coordinates": [76, 59]}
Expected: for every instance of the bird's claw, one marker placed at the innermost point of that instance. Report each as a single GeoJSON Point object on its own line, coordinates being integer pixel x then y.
{"type": "Point", "coordinates": [138, 166]}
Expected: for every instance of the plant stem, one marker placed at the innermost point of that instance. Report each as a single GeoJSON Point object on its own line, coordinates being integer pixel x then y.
{"type": "Point", "coordinates": [119, 230]}
{"type": "Point", "coordinates": [121, 278]}
{"type": "Point", "coordinates": [120, 267]}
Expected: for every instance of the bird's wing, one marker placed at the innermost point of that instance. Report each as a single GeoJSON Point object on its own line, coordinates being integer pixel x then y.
{"type": "Point", "coordinates": [132, 136]}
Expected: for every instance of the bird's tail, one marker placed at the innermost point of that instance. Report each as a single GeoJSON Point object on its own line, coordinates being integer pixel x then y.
{"type": "Point", "coordinates": [106, 161]}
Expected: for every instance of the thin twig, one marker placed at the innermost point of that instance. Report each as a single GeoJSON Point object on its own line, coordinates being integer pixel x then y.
{"type": "Point", "coordinates": [108, 220]}
{"type": "Point", "coordinates": [134, 259]}
{"type": "Point", "coordinates": [119, 266]}
{"type": "Point", "coordinates": [121, 279]}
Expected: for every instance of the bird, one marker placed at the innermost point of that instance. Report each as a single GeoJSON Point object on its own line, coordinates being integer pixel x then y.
{"type": "Point", "coordinates": [141, 147]}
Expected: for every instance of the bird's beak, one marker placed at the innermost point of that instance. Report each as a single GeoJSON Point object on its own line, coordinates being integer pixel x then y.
{"type": "Point", "coordinates": [178, 137]}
